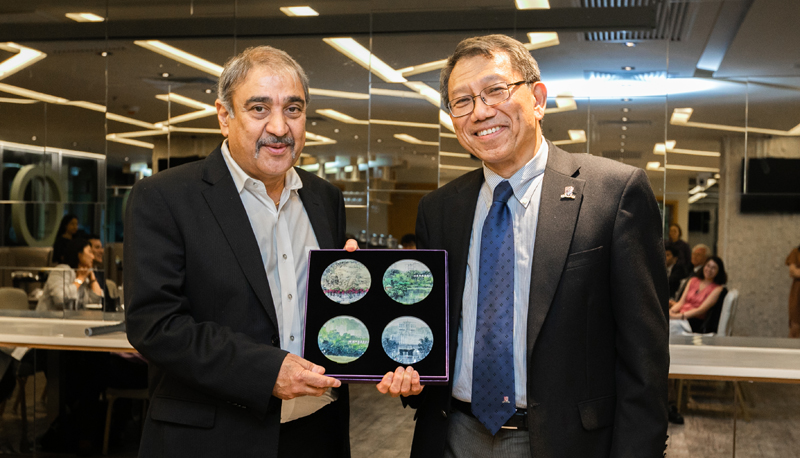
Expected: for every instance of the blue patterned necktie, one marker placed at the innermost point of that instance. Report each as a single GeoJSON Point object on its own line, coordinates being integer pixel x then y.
{"type": "Point", "coordinates": [493, 398]}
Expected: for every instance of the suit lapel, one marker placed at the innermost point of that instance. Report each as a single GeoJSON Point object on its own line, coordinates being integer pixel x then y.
{"type": "Point", "coordinates": [227, 207]}
{"type": "Point", "coordinates": [316, 214]}
{"type": "Point", "coordinates": [557, 219]}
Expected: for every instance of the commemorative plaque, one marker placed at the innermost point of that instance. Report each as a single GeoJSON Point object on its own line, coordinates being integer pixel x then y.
{"type": "Point", "coordinates": [370, 311]}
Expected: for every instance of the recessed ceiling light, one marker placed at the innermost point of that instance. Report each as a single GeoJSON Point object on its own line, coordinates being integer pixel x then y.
{"type": "Point", "coordinates": [624, 119]}
{"type": "Point", "coordinates": [380, 141]}
{"type": "Point", "coordinates": [165, 75]}
{"type": "Point", "coordinates": [622, 150]}
{"type": "Point", "coordinates": [625, 110]}
{"type": "Point", "coordinates": [624, 127]}
{"type": "Point", "coordinates": [299, 11]}
{"type": "Point", "coordinates": [335, 131]}
{"type": "Point", "coordinates": [630, 44]}
{"type": "Point", "coordinates": [621, 143]}
{"type": "Point", "coordinates": [626, 99]}
{"type": "Point", "coordinates": [208, 91]}
{"type": "Point", "coordinates": [623, 136]}
{"type": "Point", "coordinates": [104, 54]}
{"type": "Point", "coordinates": [85, 17]}
{"type": "Point", "coordinates": [628, 68]}
{"type": "Point", "coordinates": [533, 4]}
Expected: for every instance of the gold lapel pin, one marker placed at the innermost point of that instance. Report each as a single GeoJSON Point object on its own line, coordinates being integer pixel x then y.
{"type": "Point", "coordinates": [569, 193]}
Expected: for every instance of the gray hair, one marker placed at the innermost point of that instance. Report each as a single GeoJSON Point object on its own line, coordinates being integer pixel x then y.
{"type": "Point", "coordinates": [237, 68]}
{"type": "Point", "coordinates": [487, 46]}
{"type": "Point", "coordinates": [703, 247]}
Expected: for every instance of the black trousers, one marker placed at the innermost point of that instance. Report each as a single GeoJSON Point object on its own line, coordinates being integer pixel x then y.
{"type": "Point", "coordinates": [318, 435]}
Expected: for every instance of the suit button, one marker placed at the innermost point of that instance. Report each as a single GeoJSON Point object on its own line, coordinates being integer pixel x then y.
{"type": "Point", "coordinates": [276, 341]}
{"type": "Point", "coordinates": [444, 414]}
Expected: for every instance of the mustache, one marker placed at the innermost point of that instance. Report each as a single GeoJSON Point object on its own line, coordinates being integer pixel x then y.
{"type": "Point", "coordinates": [287, 140]}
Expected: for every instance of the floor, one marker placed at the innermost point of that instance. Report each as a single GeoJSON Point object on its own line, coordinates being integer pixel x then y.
{"type": "Point", "coordinates": [381, 428]}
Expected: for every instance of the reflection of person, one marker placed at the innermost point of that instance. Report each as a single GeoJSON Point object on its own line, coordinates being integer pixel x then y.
{"type": "Point", "coordinates": [682, 248]}
{"type": "Point", "coordinates": [585, 284]}
{"type": "Point", "coordinates": [409, 242]}
{"type": "Point", "coordinates": [793, 261]}
{"type": "Point", "coordinates": [72, 280]}
{"type": "Point", "coordinates": [215, 278]}
{"type": "Point", "coordinates": [66, 229]}
{"type": "Point", "coordinates": [700, 254]}
{"type": "Point", "coordinates": [675, 270]}
{"type": "Point", "coordinates": [700, 294]}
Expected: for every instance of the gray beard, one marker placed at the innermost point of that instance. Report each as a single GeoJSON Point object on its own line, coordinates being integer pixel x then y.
{"type": "Point", "coordinates": [287, 140]}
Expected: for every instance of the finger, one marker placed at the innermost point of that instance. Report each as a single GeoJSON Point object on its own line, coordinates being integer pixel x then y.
{"type": "Point", "coordinates": [385, 383]}
{"type": "Point", "coordinates": [317, 369]}
{"type": "Point", "coordinates": [397, 382]}
{"type": "Point", "coordinates": [416, 386]}
{"type": "Point", "coordinates": [320, 381]}
{"type": "Point", "coordinates": [351, 245]}
{"type": "Point", "coordinates": [405, 387]}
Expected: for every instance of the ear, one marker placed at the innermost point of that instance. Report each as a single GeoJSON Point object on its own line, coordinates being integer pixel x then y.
{"type": "Point", "coordinates": [540, 94]}
{"type": "Point", "coordinates": [223, 117]}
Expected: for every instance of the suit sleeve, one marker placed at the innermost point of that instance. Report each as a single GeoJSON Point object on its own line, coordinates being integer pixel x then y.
{"type": "Point", "coordinates": [215, 360]}
{"type": "Point", "coordinates": [639, 297]}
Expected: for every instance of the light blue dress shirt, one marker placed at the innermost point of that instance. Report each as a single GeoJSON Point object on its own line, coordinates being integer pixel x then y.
{"type": "Point", "coordinates": [524, 207]}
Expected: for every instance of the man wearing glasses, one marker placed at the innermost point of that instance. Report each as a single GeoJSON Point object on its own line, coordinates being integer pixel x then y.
{"type": "Point", "coordinates": [558, 289]}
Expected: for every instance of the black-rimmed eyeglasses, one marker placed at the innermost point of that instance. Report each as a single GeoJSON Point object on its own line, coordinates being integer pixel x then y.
{"type": "Point", "coordinates": [492, 95]}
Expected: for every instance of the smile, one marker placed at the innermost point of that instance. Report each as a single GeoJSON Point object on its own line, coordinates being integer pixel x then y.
{"type": "Point", "coordinates": [487, 131]}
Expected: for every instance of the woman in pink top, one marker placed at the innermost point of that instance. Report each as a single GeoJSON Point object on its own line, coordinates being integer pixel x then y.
{"type": "Point", "coordinates": [701, 293]}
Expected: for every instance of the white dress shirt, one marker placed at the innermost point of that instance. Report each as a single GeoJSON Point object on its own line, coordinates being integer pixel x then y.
{"type": "Point", "coordinates": [285, 236]}
{"type": "Point", "coordinates": [524, 207]}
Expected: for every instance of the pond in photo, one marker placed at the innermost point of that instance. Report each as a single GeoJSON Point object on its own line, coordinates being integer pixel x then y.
{"type": "Point", "coordinates": [343, 339]}
{"type": "Point", "coordinates": [345, 281]}
{"type": "Point", "coordinates": [408, 281]}
{"type": "Point", "coordinates": [407, 340]}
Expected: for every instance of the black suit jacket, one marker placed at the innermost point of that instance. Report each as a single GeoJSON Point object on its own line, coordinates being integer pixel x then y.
{"type": "Point", "coordinates": [597, 340]}
{"type": "Point", "coordinates": [199, 308]}
{"type": "Point", "coordinates": [678, 273]}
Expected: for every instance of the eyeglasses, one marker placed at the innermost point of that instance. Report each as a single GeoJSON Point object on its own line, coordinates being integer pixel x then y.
{"type": "Point", "coordinates": [490, 96]}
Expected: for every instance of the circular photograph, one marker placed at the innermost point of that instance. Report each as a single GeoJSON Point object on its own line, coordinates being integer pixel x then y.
{"type": "Point", "coordinates": [407, 340]}
{"type": "Point", "coordinates": [343, 339]}
{"type": "Point", "coordinates": [345, 281]}
{"type": "Point", "coordinates": [408, 281]}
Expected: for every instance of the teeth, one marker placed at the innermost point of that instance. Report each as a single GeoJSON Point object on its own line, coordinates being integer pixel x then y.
{"type": "Point", "coordinates": [488, 131]}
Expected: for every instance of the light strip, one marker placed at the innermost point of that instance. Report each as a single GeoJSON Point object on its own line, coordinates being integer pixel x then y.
{"type": "Point", "coordinates": [341, 117]}
{"type": "Point", "coordinates": [185, 101]}
{"type": "Point", "coordinates": [114, 138]}
{"type": "Point", "coordinates": [447, 135]}
{"type": "Point", "coordinates": [457, 167]}
{"type": "Point", "coordinates": [660, 149]}
{"type": "Point", "coordinates": [680, 117]}
{"type": "Point", "coordinates": [85, 17]}
{"type": "Point", "coordinates": [366, 59]}
{"type": "Point", "coordinates": [296, 11]}
{"type": "Point", "coordinates": [459, 155]}
{"type": "Point", "coordinates": [563, 103]}
{"type": "Point", "coordinates": [17, 101]}
{"type": "Point", "coordinates": [127, 120]}
{"type": "Point", "coordinates": [49, 150]}
{"type": "Point", "coordinates": [414, 140]}
{"type": "Point", "coordinates": [395, 93]}
{"type": "Point", "coordinates": [689, 168]}
{"type": "Point", "coordinates": [339, 94]}
{"type": "Point", "coordinates": [187, 117]}
{"type": "Point", "coordinates": [575, 136]}
{"type": "Point", "coordinates": [428, 93]}
{"type": "Point", "coordinates": [32, 94]}
{"type": "Point", "coordinates": [24, 57]}
{"type": "Point", "coordinates": [317, 140]}
{"type": "Point", "coordinates": [447, 121]}
{"type": "Point", "coordinates": [533, 4]}
{"type": "Point", "coordinates": [385, 122]}
{"type": "Point", "coordinates": [696, 197]}
{"type": "Point", "coordinates": [87, 105]}
{"type": "Point", "coordinates": [423, 68]}
{"type": "Point", "coordinates": [180, 56]}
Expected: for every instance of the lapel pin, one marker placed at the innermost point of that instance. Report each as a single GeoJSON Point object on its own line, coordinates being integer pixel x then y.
{"type": "Point", "coordinates": [569, 193]}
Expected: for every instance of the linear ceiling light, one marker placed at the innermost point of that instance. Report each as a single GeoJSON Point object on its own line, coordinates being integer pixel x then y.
{"type": "Point", "coordinates": [446, 121]}
{"type": "Point", "coordinates": [395, 93]}
{"type": "Point", "coordinates": [185, 101]}
{"type": "Point", "coordinates": [341, 117]}
{"type": "Point", "coordinates": [575, 136]}
{"type": "Point", "coordinates": [414, 140]}
{"type": "Point", "coordinates": [680, 117]}
{"type": "Point", "coordinates": [696, 197]}
{"type": "Point", "coordinates": [17, 101]}
{"type": "Point", "coordinates": [180, 56]}
{"type": "Point", "coordinates": [563, 103]}
{"type": "Point", "coordinates": [540, 40]}
{"type": "Point", "coordinates": [660, 149]}
{"type": "Point", "coordinates": [24, 57]}
{"type": "Point", "coordinates": [366, 59]}
{"type": "Point", "coordinates": [533, 4]}
{"type": "Point", "coordinates": [294, 11]}
{"type": "Point", "coordinates": [423, 68]}
{"type": "Point", "coordinates": [339, 94]}
{"type": "Point", "coordinates": [689, 168]}
{"type": "Point", "coordinates": [127, 141]}
{"type": "Point", "coordinates": [318, 140]}
{"type": "Point", "coordinates": [85, 17]}
{"type": "Point", "coordinates": [428, 93]}
{"type": "Point", "coordinates": [459, 155]}
{"type": "Point", "coordinates": [32, 94]}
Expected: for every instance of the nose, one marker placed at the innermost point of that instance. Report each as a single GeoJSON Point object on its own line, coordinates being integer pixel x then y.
{"type": "Point", "coordinates": [276, 125]}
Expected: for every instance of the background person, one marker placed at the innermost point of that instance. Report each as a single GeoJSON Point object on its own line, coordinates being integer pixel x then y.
{"type": "Point", "coordinates": [681, 247]}
{"type": "Point", "coordinates": [700, 294]}
{"type": "Point", "coordinates": [676, 271]}
{"type": "Point", "coordinates": [66, 230]}
{"type": "Point", "coordinates": [74, 280]}
{"type": "Point", "coordinates": [409, 242]}
{"type": "Point", "coordinates": [793, 261]}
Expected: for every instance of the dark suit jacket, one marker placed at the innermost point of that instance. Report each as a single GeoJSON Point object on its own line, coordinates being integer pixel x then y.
{"type": "Point", "coordinates": [678, 273]}
{"type": "Point", "coordinates": [199, 308]}
{"type": "Point", "coordinates": [597, 343]}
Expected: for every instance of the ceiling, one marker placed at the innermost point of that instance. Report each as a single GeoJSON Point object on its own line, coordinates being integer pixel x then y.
{"type": "Point", "coordinates": [743, 52]}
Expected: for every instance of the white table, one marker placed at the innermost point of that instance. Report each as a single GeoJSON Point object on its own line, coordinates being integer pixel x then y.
{"type": "Point", "coordinates": [60, 334]}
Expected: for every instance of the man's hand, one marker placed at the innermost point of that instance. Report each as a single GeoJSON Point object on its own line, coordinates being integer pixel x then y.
{"type": "Point", "coordinates": [299, 377]}
{"type": "Point", "coordinates": [403, 382]}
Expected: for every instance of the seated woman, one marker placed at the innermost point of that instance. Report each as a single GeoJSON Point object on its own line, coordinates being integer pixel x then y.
{"type": "Point", "coordinates": [700, 294]}
{"type": "Point", "coordinates": [72, 281]}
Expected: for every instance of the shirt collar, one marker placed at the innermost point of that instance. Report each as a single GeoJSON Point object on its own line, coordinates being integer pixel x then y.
{"type": "Point", "coordinates": [521, 180]}
{"type": "Point", "coordinates": [292, 180]}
